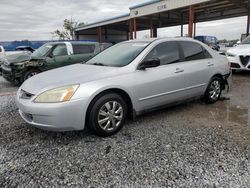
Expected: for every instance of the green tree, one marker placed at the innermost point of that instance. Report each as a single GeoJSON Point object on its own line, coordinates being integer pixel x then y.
{"type": "Point", "coordinates": [67, 33]}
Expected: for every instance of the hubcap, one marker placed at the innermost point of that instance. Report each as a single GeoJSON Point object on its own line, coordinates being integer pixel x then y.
{"type": "Point", "coordinates": [215, 90]}
{"type": "Point", "coordinates": [110, 115]}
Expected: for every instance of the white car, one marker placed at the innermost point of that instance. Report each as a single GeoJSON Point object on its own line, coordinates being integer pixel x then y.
{"type": "Point", "coordinates": [239, 56]}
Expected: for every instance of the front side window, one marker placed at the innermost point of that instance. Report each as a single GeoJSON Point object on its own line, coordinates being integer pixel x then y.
{"type": "Point", "coordinates": [119, 55]}
{"type": "Point", "coordinates": [194, 51]}
{"type": "Point", "coordinates": [83, 49]}
{"type": "Point", "coordinates": [60, 50]}
{"type": "Point", "coordinates": [167, 52]}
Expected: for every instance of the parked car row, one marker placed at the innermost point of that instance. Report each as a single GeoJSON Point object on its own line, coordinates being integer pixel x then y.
{"type": "Point", "coordinates": [211, 41]}
{"type": "Point", "coordinates": [123, 81]}
{"type": "Point", "coordinates": [238, 55]}
{"type": "Point", "coordinates": [19, 67]}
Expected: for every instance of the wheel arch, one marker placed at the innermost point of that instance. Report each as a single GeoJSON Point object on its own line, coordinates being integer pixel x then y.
{"type": "Point", "coordinates": [126, 97]}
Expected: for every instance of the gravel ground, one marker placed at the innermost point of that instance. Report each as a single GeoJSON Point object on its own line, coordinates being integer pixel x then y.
{"type": "Point", "coordinates": [191, 145]}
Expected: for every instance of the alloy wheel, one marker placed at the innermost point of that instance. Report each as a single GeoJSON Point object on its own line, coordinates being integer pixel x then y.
{"type": "Point", "coordinates": [215, 90]}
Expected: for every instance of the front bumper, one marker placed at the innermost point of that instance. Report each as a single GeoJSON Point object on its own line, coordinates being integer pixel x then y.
{"type": "Point", "coordinates": [227, 79]}
{"type": "Point", "coordinates": [236, 63]}
{"type": "Point", "coordinates": [10, 74]}
{"type": "Point", "coordinates": [66, 116]}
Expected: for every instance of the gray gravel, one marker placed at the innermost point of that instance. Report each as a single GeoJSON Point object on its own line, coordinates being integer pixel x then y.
{"type": "Point", "coordinates": [192, 145]}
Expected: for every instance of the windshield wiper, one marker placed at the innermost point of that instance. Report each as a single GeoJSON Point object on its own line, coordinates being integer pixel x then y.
{"type": "Point", "coordinates": [98, 64]}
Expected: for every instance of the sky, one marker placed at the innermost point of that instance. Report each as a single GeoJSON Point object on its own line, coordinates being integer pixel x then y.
{"type": "Point", "coordinates": [36, 19]}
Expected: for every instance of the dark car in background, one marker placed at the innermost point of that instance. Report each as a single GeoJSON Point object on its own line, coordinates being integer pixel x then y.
{"type": "Point", "coordinates": [18, 68]}
{"type": "Point", "coordinates": [211, 41]}
{"type": "Point", "coordinates": [25, 48]}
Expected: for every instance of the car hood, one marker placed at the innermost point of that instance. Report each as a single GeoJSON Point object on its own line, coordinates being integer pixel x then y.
{"type": "Point", "coordinates": [73, 74]}
{"type": "Point", "coordinates": [243, 49]}
{"type": "Point", "coordinates": [17, 57]}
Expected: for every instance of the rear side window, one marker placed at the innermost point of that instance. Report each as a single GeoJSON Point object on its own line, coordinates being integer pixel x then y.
{"type": "Point", "coordinates": [194, 51]}
{"type": "Point", "coordinates": [167, 52]}
{"type": "Point", "coordinates": [0, 49]}
{"type": "Point", "coordinates": [83, 49]}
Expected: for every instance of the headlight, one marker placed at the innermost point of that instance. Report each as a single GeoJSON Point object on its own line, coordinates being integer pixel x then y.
{"type": "Point", "coordinates": [56, 95]}
{"type": "Point", "coordinates": [230, 54]}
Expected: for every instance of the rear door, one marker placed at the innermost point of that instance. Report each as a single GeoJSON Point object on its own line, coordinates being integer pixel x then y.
{"type": "Point", "coordinates": [82, 52]}
{"type": "Point", "coordinates": [164, 84]}
{"type": "Point", "coordinates": [199, 64]}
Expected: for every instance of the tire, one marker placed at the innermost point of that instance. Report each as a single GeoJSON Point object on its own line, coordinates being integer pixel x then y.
{"type": "Point", "coordinates": [30, 73]}
{"type": "Point", "coordinates": [214, 89]}
{"type": "Point", "coordinates": [103, 118]}
{"type": "Point", "coordinates": [17, 82]}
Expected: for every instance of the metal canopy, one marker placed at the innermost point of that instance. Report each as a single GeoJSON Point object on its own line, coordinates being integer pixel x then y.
{"type": "Point", "coordinates": [207, 10]}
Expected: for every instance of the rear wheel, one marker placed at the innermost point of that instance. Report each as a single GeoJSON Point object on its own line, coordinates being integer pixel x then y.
{"type": "Point", "coordinates": [30, 73]}
{"type": "Point", "coordinates": [214, 90]}
{"type": "Point", "coordinates": [107, 115]}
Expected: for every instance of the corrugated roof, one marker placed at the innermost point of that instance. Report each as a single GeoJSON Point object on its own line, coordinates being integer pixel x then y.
{"type": "Point", "coordinates": [119, 17]}
{"type": "Point", "coordinates": [105, 20]}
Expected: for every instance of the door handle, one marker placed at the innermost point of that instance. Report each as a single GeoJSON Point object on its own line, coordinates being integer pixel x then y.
{"type": "Point", "coordinates": [178, 70]}
{"type": "Point", "coordinates": [210, 64]}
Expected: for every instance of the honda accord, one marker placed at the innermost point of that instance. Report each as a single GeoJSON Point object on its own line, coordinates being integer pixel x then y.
{"type": "Point", "coordinates": [122, 82]}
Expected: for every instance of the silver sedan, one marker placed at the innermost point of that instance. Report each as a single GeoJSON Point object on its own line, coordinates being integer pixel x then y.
{"type": "Point", "coordinates": [122, 82]}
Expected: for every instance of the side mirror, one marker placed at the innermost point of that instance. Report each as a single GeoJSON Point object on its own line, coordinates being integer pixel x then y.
{"type": "Point", "coordinates": [149, 64]}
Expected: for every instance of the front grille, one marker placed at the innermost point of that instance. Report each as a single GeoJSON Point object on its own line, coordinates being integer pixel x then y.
{"type": "Point", "coordinates": [235, 65]}
{"type": "Point", "coordinates": [244, 60]}
{"type": "Point", "coordinates": [25, 95]}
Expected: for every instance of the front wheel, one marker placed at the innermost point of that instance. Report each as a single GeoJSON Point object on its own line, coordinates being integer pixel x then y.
{"type": "Point", "coordinates": [213, 91]}
{"type": "Point", "coordinates": [30, 73]}
{"type": "Point", "coordinates": [107, 115]}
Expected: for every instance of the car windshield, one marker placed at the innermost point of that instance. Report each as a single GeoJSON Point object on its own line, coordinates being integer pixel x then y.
{"type": "Point", "coordinates": [246, 41]}
{"type": "Point", "coordinates": [42, 51]}
{"type": "Point", "coordinates": [119, 55]}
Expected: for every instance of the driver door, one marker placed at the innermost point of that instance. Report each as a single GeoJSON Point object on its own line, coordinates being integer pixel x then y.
{"type": "Point", "coordinates": [59, 57]}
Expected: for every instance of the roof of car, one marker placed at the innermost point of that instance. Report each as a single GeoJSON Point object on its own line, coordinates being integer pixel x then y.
{"type": "Point", "coordinates": [163, 39]}
{"type": "Point", "coordinates": [23, 47]}
{"type": "Point", "coordinates": [73, 42]}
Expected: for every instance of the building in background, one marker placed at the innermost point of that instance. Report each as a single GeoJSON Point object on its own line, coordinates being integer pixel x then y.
{"type": "Point", "coordinates": [160, 14]}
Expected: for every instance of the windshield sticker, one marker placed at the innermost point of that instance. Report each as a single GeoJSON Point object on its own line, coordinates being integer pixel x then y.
{"type": "Point", "coordinates": [140, 44]}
